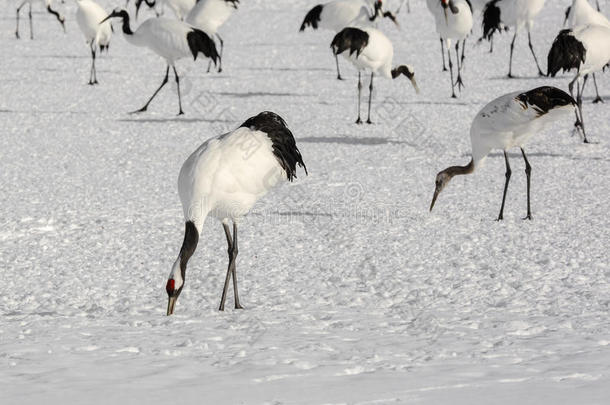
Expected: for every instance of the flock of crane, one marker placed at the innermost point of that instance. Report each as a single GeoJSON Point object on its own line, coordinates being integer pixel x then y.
{"type": "Point", "coordinates": [217, 181]}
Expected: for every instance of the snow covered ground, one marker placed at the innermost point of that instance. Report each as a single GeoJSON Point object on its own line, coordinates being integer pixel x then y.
{"type": "Point", "coordinates": [354, 292]}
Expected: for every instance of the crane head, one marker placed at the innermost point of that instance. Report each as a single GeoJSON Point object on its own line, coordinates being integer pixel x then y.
{"type": "Point", "coordinates": [442, 179]}
{"type": "Point", "coordinates": [174, 285]}
{"type": "Point", "coordinates": [175, 282]}
{"type": "Point", "coordinates": [448, 4]}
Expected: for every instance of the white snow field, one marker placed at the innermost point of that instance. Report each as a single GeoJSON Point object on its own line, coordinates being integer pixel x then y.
{"type": "Point", "coordinates": [354, 292]}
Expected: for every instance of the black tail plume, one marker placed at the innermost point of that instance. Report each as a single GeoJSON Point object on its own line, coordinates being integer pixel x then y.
{"type": "Point", "coordinates": [284, 146]}
{"type": "Point", "coordinates": [350, 38]}
{"type": "Point", "coordinates": [199, 41]}
{"type": "Point", "coordinates": [492, 20]}
{"type": "Point", "coordinates": [544, 99]}
{"type": "Point", "coordinates": [566, 53]}
{"type": "Point", "coordinates": [312, 18]}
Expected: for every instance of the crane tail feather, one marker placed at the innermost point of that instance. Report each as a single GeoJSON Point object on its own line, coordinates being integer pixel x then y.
{"type": "Point", "coordinates": [199, 41]}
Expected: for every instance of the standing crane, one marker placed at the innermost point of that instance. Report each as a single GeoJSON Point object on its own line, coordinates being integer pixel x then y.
{"type": "Point", "coordinates": [501, 14]}
{"type": "Point", "coordinates": [209, 16]}
{"type": "Point", "coordinates": [507, 122]}
{"type": "Point", "coordinates": [88, 16]}
{"type": "Point", "coordinates": [582, 13]}
{"type": "Point", "coordinates": [172, 40]}
{"type": "Point", "coordinates": [453, 19]}
{"type": "Point", "coordinates": [586, 49]}
{"type": "Point", "coordinates": [216, 180]}
{"type": "Point", "coordinates": [369, 50]}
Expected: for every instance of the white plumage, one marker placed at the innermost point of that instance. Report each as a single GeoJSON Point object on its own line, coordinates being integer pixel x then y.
{"type": "Point", "coordinates": [506, 122]}
{"type": "Point", "coordinates": [209, 16]}
{"type": "Point", "coordinates": [48, 5]}
{"type": "Point", "coordinates": [596, 40]}
{"type": "Point", "coordinates": [224, 178]}
{"type": "Point", "coordinates": [500, 14]}
{"type": "Point", "coordinates": [89, 14]}
{"type": "Point", "coordinates": [180, 7]}
{"type": "Point", "coordinates": [169, 38]}
{"type": "Point", "coordinates": [369, 49]}
{"type": "Point", "coordinates": [509, 121]}
{"type": "Point", "coordinates": [582, 13]}
{"type": "Point", "coordinates": [453, 20]}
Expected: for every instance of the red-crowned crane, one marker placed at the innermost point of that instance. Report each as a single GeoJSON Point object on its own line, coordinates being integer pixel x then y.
{"type": "Point", "coordinates": [89, 14]}
{"type": "Point", "coordinates": [369, 49]}
{"type": "Point", "coordinates": [502, 14]}
{"type": "Point", "coordinates": [507, 122]}
{"type": "Point", "coordinates": [172, 40]}
{"type": "Point", "coordinates": [338, 14]}
{"type": "Point", "coordinates": [453, 19]}
{"type": "Point", "coordinates": [209, 16]}
{"type": "Point", "coordinates": [224, 179]}
{"type": "Point", "coordinates": [586, 49]}
{"type": "Point", "coordinates": [582, 13]}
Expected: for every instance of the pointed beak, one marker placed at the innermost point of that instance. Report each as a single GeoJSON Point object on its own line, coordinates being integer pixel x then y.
{"type": "Point", "coordinates": [446, 17]}
{"type": "Point", "coordinates": [414, 83]}
{"type": "Point", "coordinates": [437, 191]}
{"type": "Point", "coordinates": [171, 303]}
{"type": "Point", "coordinates": [106, 19]}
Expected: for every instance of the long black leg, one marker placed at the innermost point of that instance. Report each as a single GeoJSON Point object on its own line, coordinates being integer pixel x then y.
{"type": "Point", "coordinates": [443, 54]}
{"type": "Point", "coordinates": [510, 61]}
{"type": "Point", "coordinates": [463, 51]}
{"type": "Point", "coordinates": [338, 71]}
{"type": "Point", "coordinates": [457, 56]}
{"type": "Point", "coordinates": [491, 45]}
{"type": "Point", "coordinates": [507, 175]}
{"type": "Point", "coordinates": [459, 82]}
{"type": "Point", "coordinates": [368, 121]}
{"type": "Point", "coordinates": [92, 74]}
{"type": "Point", "coordinates": [180, 112]}
{"type": "Point", "coordinates": [222, 45]}
{"type": "Point", "coordinates": [451, 73]}
{"type": "Point", "coordinates": [579, 125]}
{"type": "Point", "coordinates": [598, 99]}
{"type": "Point", "coordinates": [571, 88]}
{"type": "Point", "coordinates": [234, 271]}
{"type": "Point", "coordinates": [359, 121]}
{"type": "Point", "coordinates": [229, 272]}
{"type": "Point", "coordinates": [528, 172]}
{"type": "Point", "coordinates": [529, 39]}
{"type": "Point", "coordinates": [19, 9]}
{"type": "Point", "coordinates": [232, 251]}
{"type": "Point", "coordinates": [30, 18]}
{"type": "Point", "coordinates": [155, 93]}
{"type": "Point", "coordinates": [580, 91]}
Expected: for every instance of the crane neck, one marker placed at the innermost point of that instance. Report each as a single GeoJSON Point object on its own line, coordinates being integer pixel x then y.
{"type": "Point", "coordinates": [460, 170]}
{"type": "Point", "coordinates": [126, 26]}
